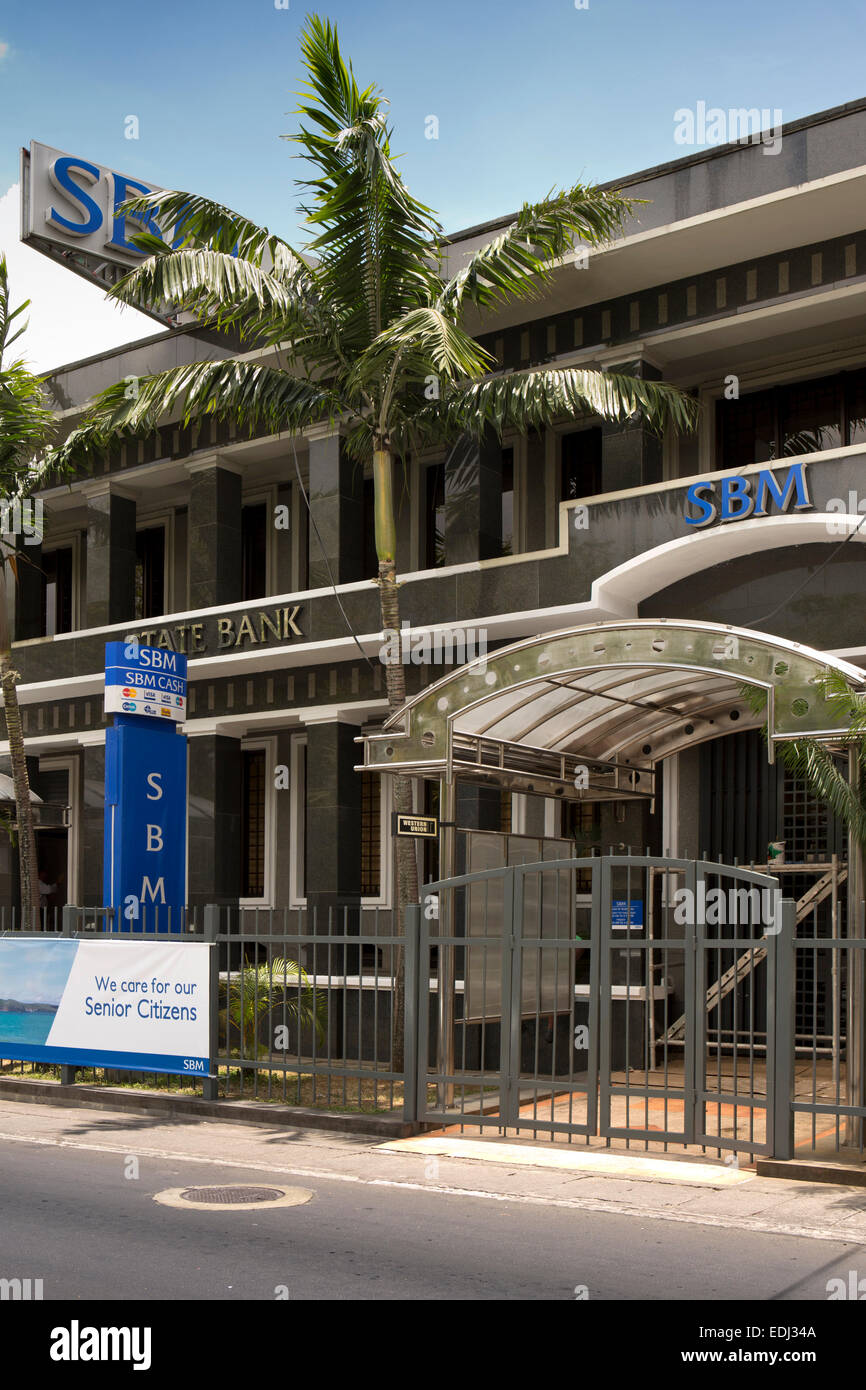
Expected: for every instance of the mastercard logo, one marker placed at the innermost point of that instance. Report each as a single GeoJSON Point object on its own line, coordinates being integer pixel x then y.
{"type": "Point", "coordinates": [130, 694]}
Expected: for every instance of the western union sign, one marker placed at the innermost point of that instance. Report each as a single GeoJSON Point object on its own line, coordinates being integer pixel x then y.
{"type": "Point", "coordinates": [420, 827]}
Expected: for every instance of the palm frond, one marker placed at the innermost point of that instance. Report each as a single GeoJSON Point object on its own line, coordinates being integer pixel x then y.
{"type": "Point", "coordinates": [27, 423]}
{"type": "Point", "coordinates": [529, 400]}
{"type": "Point", "coordinates": [192, 221]}
{"type": "Point", "coordinates": [376, 243]}
{"type": "Point", "coordinates": [517, 263]}
{"type": "Point", "coordinates": [225, 291]}
{"type": "Point", "coordinates": [248, 392]}
{"type": "Point", "coordinates": [422, 342]}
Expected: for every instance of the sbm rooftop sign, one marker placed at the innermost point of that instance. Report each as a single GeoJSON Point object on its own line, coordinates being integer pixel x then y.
{"type": "Point", "coordinates": [69, 211]}
{"type": "Point", "coordinates": [738, 496]}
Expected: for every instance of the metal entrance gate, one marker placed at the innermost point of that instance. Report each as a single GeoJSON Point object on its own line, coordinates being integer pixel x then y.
{"type": "Point", "coordinates": [622, 999]}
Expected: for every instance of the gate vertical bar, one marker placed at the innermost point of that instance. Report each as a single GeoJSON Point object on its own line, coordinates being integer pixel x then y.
{"type": "Point", "coordinates": [604, 999]}
{"type": "Point", "coordinates": [509, 1092]}
{"type": "Point", "coordinates": [210, 1084]}
{"type": "Point", "coordinates": [854, 1023]}
{"type": "Point", "coordinates": [410, 994]}
{"type": "Point", "coordinates": [594, 1013]}
{"type": "Point", "coordinates": [423, 1013]}
{"type": "Point", "coordinates": [695, 983]}
{"type": "Point", "coordinates": [70, 922]}
{"type": "Point", "coordinates": [781, 1026]}
{"type": "Point", "coordinates": [446, 954]}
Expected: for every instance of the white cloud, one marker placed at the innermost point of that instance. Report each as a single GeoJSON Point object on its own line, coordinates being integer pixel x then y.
{"type": "Point", "coordinates": [68, 317]}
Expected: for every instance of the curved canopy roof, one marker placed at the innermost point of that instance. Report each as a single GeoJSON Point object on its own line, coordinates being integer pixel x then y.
{"type": "Point", "coordinates": [613, 698]}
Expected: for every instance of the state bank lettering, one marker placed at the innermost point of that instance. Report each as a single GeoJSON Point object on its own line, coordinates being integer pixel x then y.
{"type": "Point", "coordinates": [195, 639]}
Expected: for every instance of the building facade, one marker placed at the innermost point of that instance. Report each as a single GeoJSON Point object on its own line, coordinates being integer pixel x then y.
{"type": "Point", "coordinates": [741, 279]}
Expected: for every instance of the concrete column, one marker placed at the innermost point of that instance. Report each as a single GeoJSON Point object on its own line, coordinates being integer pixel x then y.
{"type": "Point", "coordinates": [631, 456]}
{"type": "Point", "coordinates": [336, 493]}
{"type": "Point", "coordinates": [28, 592]}
{"type": "Point", "coordinates": [214, 522]}
{"type": "Point", "coordinates": [214, 820]}
{"type": "Point", "coordinates": [333, 827]}
{"type": "Point", "coordinates": [536, 499]}
{"type": "Point", "coordinates": [110, 587]}
{"type": "Point", "coordinates": [473, 502]}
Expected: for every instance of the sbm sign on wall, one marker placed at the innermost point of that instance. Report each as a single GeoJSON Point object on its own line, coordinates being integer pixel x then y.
{"type": "Point", "coordinates": [739, 496]}
{"type": "Point", "coordinates": [144, 878]}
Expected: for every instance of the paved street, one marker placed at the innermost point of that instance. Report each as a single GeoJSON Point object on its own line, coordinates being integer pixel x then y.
{"type": "Point", "coordinates": [384, 1224]}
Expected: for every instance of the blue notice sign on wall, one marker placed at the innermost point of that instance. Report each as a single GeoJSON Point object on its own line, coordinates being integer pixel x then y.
{"type": "Point", "coordinates": [625, 913]}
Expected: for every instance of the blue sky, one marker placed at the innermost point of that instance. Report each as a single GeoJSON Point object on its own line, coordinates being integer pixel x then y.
{"type": "Point", "coordinates": [528, 95]}
{"type": "Point", "coordinates": [35, 972]}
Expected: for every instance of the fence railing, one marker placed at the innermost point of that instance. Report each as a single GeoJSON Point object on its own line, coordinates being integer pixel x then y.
{"type": "Point", "coordinates": [302, 1006]}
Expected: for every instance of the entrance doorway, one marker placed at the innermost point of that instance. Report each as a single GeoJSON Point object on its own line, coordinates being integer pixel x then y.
{"type": "Point", "coordinates": [52, 852]}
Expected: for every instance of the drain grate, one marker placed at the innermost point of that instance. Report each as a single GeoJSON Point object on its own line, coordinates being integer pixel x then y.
{"type": "Point", "coordinates": [232, 1196]}
{"type": "Point", "coordinates": [237, 1196]}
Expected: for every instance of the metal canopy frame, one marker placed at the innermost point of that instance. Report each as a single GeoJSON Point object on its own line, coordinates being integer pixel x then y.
{"type": "Point", "coordinates": [614, 698]}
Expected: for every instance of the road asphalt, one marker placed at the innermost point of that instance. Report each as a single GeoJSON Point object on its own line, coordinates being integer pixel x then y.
{"type": "Point", "coordinates": [84, 1211]}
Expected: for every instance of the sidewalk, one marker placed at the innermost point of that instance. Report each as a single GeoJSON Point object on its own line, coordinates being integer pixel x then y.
{"type": "Point", "coordinates": [621, 1184]}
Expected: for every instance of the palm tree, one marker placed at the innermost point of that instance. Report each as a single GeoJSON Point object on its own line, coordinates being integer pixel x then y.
{"type": "Point", "coordinates": [255, 990]}
{"type": "Point", "coordinates": [26, 429]}
{"type": "Point", "coordinates": [363, 327]}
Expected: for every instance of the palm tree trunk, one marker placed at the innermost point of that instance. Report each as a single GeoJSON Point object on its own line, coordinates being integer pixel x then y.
{"type": "Point", "coordinates": [28, 866]}
{"type": "Point", "coordinates": [395, 684]}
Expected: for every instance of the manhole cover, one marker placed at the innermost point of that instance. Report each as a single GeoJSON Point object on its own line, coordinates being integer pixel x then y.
{"type": "Point", "coordinates": [231, 1196]}
{"type": "Point", "coordinates": [240, 1196]}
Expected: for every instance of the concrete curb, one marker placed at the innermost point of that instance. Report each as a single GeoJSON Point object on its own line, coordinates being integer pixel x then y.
{"type": "Point", "coordinates": [234, 1111]}
{"type": "Point", "coordinates": [801, 1170]}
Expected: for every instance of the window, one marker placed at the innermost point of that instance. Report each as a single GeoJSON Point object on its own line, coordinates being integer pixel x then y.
{"type": "Point", "coordinates": [150, 572]}
{"type": "Point", "coordinates": [747, 430]}
{"type": "Point", "coordinates": [57, 591]}
{"type": "Point", "coordinates": [811, 416]}
{"type": "Point", "coordinates": [254, 550]}
{"type": "Point", "coordinates": [582, 824]}
{"type": "Point", "coordinates": [856, 408]}
{"type": "Point", "coordinates": [254, 774]}
{"type": "Point", "coordinates": [434, 553]}
{"type": "Point", "coordinates": [580, 473]}
{"type": "Point", "coordinates": [371, 835]}
{"type": "Point", "coordinates": [802, 417]}
{"type": "Point", "coordinates": [507, 501]}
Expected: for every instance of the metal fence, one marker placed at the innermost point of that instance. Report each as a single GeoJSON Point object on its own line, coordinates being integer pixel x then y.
{"type": "Point", "coordinates": [565, 999]}
{"type": "Point", "coordinates": [302, 1007]}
